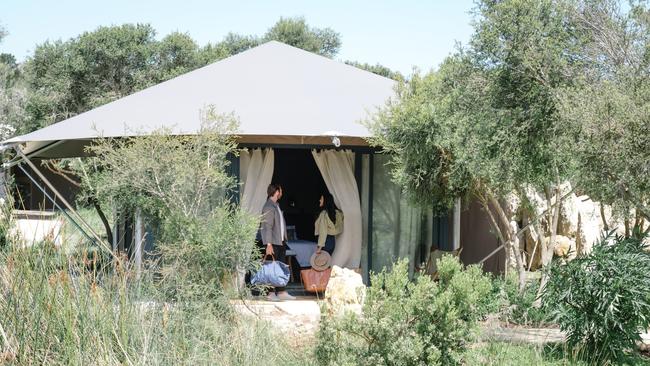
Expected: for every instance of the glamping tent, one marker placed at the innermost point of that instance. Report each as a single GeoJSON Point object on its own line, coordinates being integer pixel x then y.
{"type": "Point", "coordinates": [300, 117]}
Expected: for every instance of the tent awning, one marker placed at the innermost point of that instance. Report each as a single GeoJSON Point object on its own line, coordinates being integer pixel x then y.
{"type": "Point", "coordinates": [278, 92]}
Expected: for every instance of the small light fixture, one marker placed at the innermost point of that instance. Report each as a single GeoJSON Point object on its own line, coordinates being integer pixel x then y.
{"type": "Point", "coordinates": [334, 135]}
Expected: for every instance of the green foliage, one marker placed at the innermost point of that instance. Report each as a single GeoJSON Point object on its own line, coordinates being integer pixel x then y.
{"type": "Point", "coordinates": [296, 32]}
{"type": "Point", "coordinates": [67, 78]}
{"type": "Point", "coordinates": [611, 104]}
{"type": "Point", "coordinates": [615, 148]}
{"type": "Point", "coordinates": [517, 304]}
{"type": "Point", "coordinates": [508, 354]}
{"type": "Point", "coordinates": [517, 354]}
{"type": "Point", "coordinates": [6, 222]}
{"type": "Point", "coordinates": [487, 119]}
{"type": "Point", "coordinates": [200, 253]}
{"type": "Point", "coordinates": [56, 311]}
{"type": "Point", "coordinates": [162, 173]}
{"type": "Point", "coordinates": [408, 322]}
{"type": "Point", "coordinates": [422, 139]}
{"type": "Point", "coordinates": [181, 186]}
{"type": "Point", "coordinates": [378, 69]}
{"type": "Point", "coordinates": [602, 299]}
{"type": "Point", "coordinates": [520, 135]}
{"type": "Point", "coordinates": [12, 93]}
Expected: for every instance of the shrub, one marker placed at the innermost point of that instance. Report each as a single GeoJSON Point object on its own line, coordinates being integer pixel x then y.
{"type": "Point", "coordinates": [517, 305]}
{"type": "Point", "coordinates": [406, 322]}
{"type": "Point", "coordinates": [181, 186]}
{"type": "Point", "coordinates": [602, 299]}
{"type": "Point", "coordinates": [55, 311]}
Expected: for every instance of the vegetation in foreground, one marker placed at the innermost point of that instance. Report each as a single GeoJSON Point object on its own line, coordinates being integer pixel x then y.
{"type": "Point", "coordinates": [602, 300]}
{"type": "Point", "coordinates": [512, 354]}
{"type": "Point", "coordinates": [404, 322]}
{"type": "Point", "coordinates": [59, 310]}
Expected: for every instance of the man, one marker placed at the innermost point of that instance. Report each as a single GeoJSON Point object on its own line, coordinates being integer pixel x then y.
{"type": "Point", "coordinates": [273, 230]}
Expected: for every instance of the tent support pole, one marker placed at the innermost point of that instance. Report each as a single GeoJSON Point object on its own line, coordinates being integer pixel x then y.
{"type": "Point", "coordinates": [64, 201]}
{"type": "Point", "coordinates": [75, 223]}
{"type": "Point", "coordinates": [17, 161]}
{"type": "Point", "coordinates": [138, 241]}
{"type": "Point", "coordinates": [456, 224]}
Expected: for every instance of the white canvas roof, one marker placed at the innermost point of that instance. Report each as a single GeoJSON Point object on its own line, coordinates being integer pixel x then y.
{"type": "Point", "coordinates": [279, 93]}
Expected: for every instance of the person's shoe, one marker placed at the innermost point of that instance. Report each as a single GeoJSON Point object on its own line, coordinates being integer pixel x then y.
{"type": "Point", "coordinates": [272, 297]}
{"type": "Point", "coordinates": [285, 296]}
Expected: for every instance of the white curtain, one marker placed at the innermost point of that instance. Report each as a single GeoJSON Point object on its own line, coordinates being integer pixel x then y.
{"type": "Point", "coordinates": [337, 169]}
{"type": "Point", "coordinates": [256, 172]}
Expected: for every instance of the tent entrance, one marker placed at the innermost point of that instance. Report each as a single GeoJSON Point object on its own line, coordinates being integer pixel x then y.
{"type": "Point", "coordinates": [296, 171]}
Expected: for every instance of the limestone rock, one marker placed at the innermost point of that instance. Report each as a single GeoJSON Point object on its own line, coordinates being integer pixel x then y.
{"type": "Point", "coordinates": [580, 221]}
{"type": "Point", "coordinates": [345, 291]}
{"type": "Point", "coordinates": [564, 247]}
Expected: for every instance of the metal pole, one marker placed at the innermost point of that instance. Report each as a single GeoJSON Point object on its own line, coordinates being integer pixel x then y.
{"type": "Point", "coordinates": [457, 224]}
{"type": "Point", "coordinates": [139, 238]}
{"type": "Point", "coordinates": [54, 202]}
{"type": "Point", "coordinates": [42, 149]}
{"type": "Point", "coordinates": [64, 201]}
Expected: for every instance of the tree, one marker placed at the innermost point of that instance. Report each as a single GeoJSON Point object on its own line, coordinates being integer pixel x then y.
{"type": "Point", "coordinates": [296, 32]}
{"type": "Point", "coordinates": [176, 54]}
{"type": "Point", "coordinates": [377, 69]}
{"type": "Point", "coordinates": [12, 93]}
{"type": "Point", "coordinates": [610, 103]}
{"type": "Point", "coordinates": [486, 123]}
{"type": "Point", "coordinates": [181, 186]}
{"type": "Point", "coordinates": [546, 92]}
{"type": "Point", "coordinates": [68, 78]}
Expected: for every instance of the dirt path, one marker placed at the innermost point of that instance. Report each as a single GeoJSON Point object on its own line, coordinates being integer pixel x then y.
{"type": "Point", "coordinates": [299, 318]}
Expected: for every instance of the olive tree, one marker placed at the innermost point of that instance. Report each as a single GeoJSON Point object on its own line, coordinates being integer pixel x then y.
{"type": "Point", "coordinates": [486, 124]}
{"type": "Point", "coordinates": [181, 186]}
{"type": "Point", "coordinates": [610, 103]}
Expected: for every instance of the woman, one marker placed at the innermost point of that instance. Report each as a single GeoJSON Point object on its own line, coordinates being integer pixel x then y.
{"type": "Point", "coordinates": [328, 224]}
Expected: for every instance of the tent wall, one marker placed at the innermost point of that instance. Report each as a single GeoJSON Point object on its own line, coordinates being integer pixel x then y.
{"type": "Point", "coordinates": [477, 239]}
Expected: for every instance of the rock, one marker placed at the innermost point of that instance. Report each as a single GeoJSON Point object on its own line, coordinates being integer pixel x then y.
{"type": "Point", "coordinates": [580, 221]}
{"type": "Point", "coordinates": [565, 247]}
{"type": "Point", "coordinates": [345, 291]}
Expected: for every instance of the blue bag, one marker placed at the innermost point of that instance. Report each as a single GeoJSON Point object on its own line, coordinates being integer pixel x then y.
{"type": "Point", "coordinates": [273, 273]}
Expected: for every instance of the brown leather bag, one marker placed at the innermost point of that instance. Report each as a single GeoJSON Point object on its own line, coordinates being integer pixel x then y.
{"type": "Point", "coordinates": [315, 281]}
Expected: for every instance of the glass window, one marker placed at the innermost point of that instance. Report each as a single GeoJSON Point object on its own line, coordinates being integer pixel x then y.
{"type": "Point", "coordinates": [399, 229]}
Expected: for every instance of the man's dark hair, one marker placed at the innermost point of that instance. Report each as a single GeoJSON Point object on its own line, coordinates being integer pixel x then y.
{"type": "Point", "coordinates": [272, 189]}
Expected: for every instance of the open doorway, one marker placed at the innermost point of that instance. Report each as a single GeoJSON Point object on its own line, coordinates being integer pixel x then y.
{"type": "Point", "coordinates": [296, 171]}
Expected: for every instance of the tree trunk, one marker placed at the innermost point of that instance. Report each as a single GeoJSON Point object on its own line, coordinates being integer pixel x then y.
{"type": "Point", "coordinates": [602, 217]}
{"type": "Point", "coordinates": [547, 247]}
{"type": "Point", "coordinates": [102, 216]}
{"type": "Point", "coordinates": [510, 239]}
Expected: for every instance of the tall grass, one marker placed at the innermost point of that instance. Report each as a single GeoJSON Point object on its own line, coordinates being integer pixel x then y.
{"type": "Point", "coordinates": [60, 309]}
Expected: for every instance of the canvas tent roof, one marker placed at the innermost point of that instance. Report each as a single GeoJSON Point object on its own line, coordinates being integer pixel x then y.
{"type": "Point", "coordinates": [280, 94]}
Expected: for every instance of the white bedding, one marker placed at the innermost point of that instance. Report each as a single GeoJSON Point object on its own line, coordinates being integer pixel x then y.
{"type": "Point", "coordinates": [304, 250]}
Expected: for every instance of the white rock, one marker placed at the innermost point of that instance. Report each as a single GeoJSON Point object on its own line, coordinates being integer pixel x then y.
{"type": "Point", "coordinates": [564, 247]}
{"type": "Point", "coordinates": [345, 291]}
